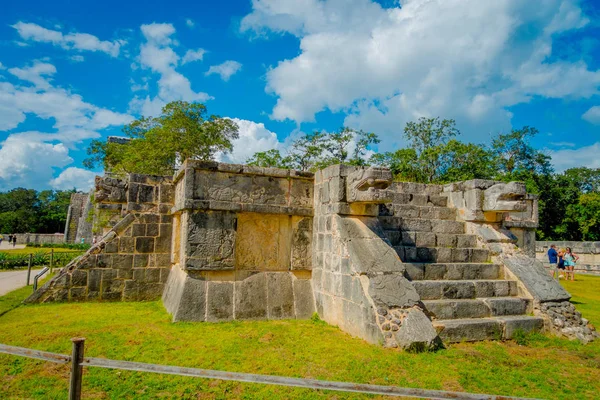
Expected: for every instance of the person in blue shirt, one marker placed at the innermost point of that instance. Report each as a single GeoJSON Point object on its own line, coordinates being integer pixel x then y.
{"type": "Point", "coordinates": [553, 261]}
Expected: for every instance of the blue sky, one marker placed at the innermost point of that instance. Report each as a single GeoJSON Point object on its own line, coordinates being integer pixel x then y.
{"type": "Point", "coordinates": [74, 71]}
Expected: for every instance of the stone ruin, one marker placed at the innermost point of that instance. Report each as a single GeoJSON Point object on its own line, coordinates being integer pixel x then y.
{"type": "Point", "coordinates": [399, 264]}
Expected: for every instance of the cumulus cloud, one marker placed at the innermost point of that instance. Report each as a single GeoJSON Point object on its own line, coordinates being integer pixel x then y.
{"type": "Point", "coordinates": [468, 60]}
{"type": "Point", "coordinates": [74, 177]}
{"type": "Point", "coordinates": [189, 22]}
{"type": "Point", "coordinates": [254, 137]}
{"type": "Point", "coordinates": [572, 158]}
{"type": "Point", "coordinates": [28, 163]}
{"type": "Point", "coordinates": [225, 70]}
{"type": "Point", "coordinates": [592, 115]}
{"type": "Point", "coordinates": [158, 55]}
{"type": "Point", "coordinates": [77, 58]}
{"type": "Point", "coordinates": [78, 41]}
{"type": "Point", "coordinates": [193, 55]}
{"type": "Point", "coordinates": [30, 158]}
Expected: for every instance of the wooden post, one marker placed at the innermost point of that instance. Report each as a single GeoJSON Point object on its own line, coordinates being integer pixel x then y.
{"type": "Point", "coordinates": [29, 267]}
{"type": "Point", "coordinates": [51, 259]}
{"type": "Point", "coordinates": [76, 368]}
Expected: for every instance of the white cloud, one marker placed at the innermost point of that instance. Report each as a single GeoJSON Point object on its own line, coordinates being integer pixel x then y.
{"type": "Point", "coordinates": [30, 158]}
{"type": "Point", "coordinates": [592, 115]}
{"type": "Point", "coordinates": [2, 67]}
{"type": "Point", "coordinates": [157, 54]}
{"type": "Point", "coordinates": [73, 177]}
{"type": "Point", "coordinates": [193, 55]}
{"type": "Point", "coordinates": [225, 70]}
{"type": "Point", "coordinates": [586, 156]}
{"type": "Point", "coordinates": [254, 137]}
{"type": "Point", "coordinates": [469, 60]}
{"type": "Point", "coordinates": [562, 144]}
{"type": "Point", "coordinates": [28, 163]}
{"type": "Point", "coordinates": [189, 22]}
{"type": "Point", "coordinates": [77, 41]}
{"type": "Point", "coordinates": [35, 74]}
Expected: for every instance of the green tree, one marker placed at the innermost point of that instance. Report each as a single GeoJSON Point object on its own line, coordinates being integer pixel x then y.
{"type": "Point", "coordinates": [427, 137]}
{"type": "Point", "coordinates": [159, 144]}
{"type": "Point", "coordinates": [463, 161]}
{"type": "Point", "coordinates": [270, 158]}
{"type": "Point", "coordinates": [403, 164]}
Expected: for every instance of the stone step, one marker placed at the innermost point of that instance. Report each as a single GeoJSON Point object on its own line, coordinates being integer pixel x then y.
{"type": "Point", "coordinates": [430, 239]}
{"type": "Point", "coordinates": [477, 308]}
{"type": "Point", "coordinates": [442, 254]}
{"type": "Point", "coordinates": [425, 212]}
{"type": "Point", "coordinates": [475, 329]}
{"type": "Point", "coordinates": [453, 271]}
{"type": "Point", "coordinates": [447, 289]}
{"type": "Point", "coordinates": [422, 225]}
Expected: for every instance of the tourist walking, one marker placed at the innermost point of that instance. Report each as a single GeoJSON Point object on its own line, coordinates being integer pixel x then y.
{"type": "Point", "coordinates": [570, 260]}
{"type": "Point", "coordinates": [14, 240]}
{"type": "Point", "coordinates": [561, 263]}
{"type": "Point", "coordinates": [9, 239]}
{"type": "Point", "coordinates": [553, 261]}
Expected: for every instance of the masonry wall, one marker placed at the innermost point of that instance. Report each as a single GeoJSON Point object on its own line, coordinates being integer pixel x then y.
{"type": "Point", "coordinates": [241, 243]}
{"type": "Point", "coordinates": [132, 260]}
{"type": "Point", "coordinates": [74, 213]}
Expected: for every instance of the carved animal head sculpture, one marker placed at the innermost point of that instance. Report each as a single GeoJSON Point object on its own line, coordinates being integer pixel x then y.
{"type": "Point", "coordinates": [504, 197]}
{"type": "Point", "coordinates": [367, 185]}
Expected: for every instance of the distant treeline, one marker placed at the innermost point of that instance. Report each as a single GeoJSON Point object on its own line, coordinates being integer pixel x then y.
{"type": "Point", "coordinates": [29, 211]}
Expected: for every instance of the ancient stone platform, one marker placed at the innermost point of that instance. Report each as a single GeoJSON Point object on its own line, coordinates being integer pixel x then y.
{"type": "Point", "coordinates": [399, 264]}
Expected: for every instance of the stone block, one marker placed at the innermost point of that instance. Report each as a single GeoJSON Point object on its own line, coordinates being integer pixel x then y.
{"type": "Point", "coordinates": [112, 246]}
{"type": "Point", "coordinates": [426, 239]}
{"type": "Point", "coordinates": [417, 333]}
{"type": "Point", "coordinates": [125, 274]}
{"type": "Point", "coordinates": [210, 238]}
{"type": "Point", "coordinates": [151, 230]}
{"type": "Point", "coordinates": [144, 244]}
{"type": "Point", "coordinates": [301, 243]}
{"type": "Point", "coordinates": [79, 278]}
{"type": "Point", "coordinates": [442, 226]}
{"type": "Point", "coordinates": [94, 279]}
{"type": "Point", "coordinates": [152, 275]}
{"type": "Point", "coordinates": [392, 291]}
{"type": "Point", "coordinates": [140, 260]}
{"type": "Point", "coordinates": [164, 239]}
{"type": "Point", "coordinates": [446, 240]}
{"type": "Point", "coordinates": [78, 294]}
{"type": "Point", "coordinates": [192, 304]}
{"type": "Point", "coordinates": [536, 280]}
{"type": "Point", "coordinates": [124, 261]}
{"type": "Point", "coordinates": [251, 297]}
{"type": "Point", "coordinates": [280, 299]}
{"type": "Point", "coordinates": [103, 260]}
{"type": "Point", "coordinates": [263, 242]}
{"type": "Point", "coordinates": [138, 230]}
{"type": "Point", "coordinates": [417, 225]}
{"type": "Point", "coordinates": [304, 303]}
{"type": "Point", "coordinates": [126, 245]}
{"type": "Point", "coordinates": [219, 301]}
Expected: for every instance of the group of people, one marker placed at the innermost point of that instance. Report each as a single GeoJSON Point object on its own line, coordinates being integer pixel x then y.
{"type": "Point", "coordinates": [562, 262]}
{"type": "Point", "coordinates": [12, 239]}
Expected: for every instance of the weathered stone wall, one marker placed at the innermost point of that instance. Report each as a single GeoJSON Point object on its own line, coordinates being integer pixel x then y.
{"type": "Point", "coordinates": [242, 237]}
{"type": "Point", "coordinates": [86, 223]}
{"type": "Point", "coordinates": [132, 260]}
{"type": "Point", "coordinates": [75, 212]}
{"type": "Point", "coordinates": [588, 252]}
{"type": "Point", "coordinates": [358, 278]}
{"type": "Point", "coordinates": [38, 238]}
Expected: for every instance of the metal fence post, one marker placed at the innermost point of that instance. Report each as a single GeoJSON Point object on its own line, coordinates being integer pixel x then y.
{"type": "Point", "coordinates": [29, 267]}
{"type": "Point", "coordinates": [51, 259]}
{"type": "Point", "coordinates": [76, 368]}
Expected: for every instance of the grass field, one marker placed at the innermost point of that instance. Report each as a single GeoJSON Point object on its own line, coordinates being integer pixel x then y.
{"type": "Point", "coordinates": [34, 250]}
{"type": "Point", "coordinates": [541, 366]}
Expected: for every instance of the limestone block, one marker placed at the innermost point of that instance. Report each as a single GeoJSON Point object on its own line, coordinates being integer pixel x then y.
{"type": "Point", "coordinates": [368, 185]}
{"type": "Point", "coordinates": [124, 261]}
{"type": "Point", "coordinates": [79, 278]}
{"type": "Point", "coordinates": [503, 197]}
{"type": "Point", "coordinates": [192, 303]}
{"type": "Point", "coordinates": [144, 244]}
{"type": "Point", "coordinates": [210, 240]}
{"type": "Point", "coordinates": [280, 299]}
{"type": "Point", "coordinates": [263, 242]}
{"type": "Point", "coordinates": [304, 303]}
{"type": "Point", "coordinates": [251, 297]}
{"type": "Point", "coordinates": [219, 301]}
{"type": "Point", "coordinates": [126, 244]}
{"type": "Point", "coordinates": [301, 243]}
{"type": "Point", "coordinates": [392, 290]}
{"type": "Point", "coordinates": [534, 277]}
{"type": "Point", "coordinates": [416, 332]}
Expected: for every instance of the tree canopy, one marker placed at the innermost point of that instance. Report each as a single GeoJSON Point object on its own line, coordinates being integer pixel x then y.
{"type": "Point", "coordinates": [158, 145]}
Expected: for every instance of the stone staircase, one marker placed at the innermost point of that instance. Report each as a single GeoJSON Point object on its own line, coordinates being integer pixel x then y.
{"type": "Point", "coordinates": [467, 296]}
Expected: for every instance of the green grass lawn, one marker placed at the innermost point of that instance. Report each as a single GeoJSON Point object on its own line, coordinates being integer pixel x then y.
{"type": "Point", "coordinates": [28, 250]}
{"type": "Point", "coordinates": [544, 367]}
